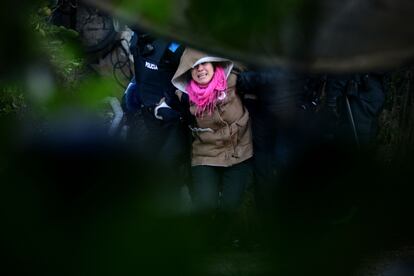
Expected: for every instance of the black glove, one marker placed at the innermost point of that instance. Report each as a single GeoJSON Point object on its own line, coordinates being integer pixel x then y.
{"type": "Point", "coordinates": [167, 114]}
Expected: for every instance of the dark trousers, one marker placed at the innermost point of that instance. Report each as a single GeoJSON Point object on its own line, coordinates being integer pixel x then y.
{"type": "Point", "coordinates": [209, 181]}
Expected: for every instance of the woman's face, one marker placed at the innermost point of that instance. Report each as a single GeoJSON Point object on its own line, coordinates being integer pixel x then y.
{"type": "Point", "coordinates": [203, 73]}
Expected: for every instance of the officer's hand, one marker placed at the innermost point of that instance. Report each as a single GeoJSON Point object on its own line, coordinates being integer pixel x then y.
{"type": "Point", "coordinates": [164, 112]}
{"type": "Point", "coordinates": [161, 104]}
{"type": "Point", "coordinates": [168, 114]}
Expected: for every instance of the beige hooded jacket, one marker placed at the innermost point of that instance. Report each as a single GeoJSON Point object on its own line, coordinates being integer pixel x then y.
{"type": "Point", "coordinates": [223, 138]}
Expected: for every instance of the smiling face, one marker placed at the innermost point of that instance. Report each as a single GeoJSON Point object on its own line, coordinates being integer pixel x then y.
{"type": "Point", "coordinates": [203, 73]}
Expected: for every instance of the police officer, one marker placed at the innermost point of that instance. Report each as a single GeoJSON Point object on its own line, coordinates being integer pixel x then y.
{"type": "Point", "coordinates": [152, 109]}
{"type": "Point", "coordinates": [280, 133]}
{"type": "Point", "coordinates": [356, 101]}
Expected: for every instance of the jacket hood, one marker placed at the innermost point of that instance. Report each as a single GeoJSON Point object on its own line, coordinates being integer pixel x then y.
{"type": "Point", "coordinates": [191, 58]}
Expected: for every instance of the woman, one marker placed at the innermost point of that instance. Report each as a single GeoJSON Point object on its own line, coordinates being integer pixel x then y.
{"type": "Point", "coordinates": [222, 141]}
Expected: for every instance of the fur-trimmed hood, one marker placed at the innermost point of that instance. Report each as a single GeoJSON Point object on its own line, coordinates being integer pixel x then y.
{"type": "Point", "coordinates": [192, 58]}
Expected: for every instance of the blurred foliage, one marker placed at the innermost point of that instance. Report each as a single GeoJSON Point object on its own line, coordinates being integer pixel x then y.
{"type": "Point", "coordinates": [55, 47]}
{"type": "Point", "coordinates": [18, 46]}
{"type": "Point", "coordinates": [60, 45]}
{"type": "Point", "coordinates": [232, 27]}
{"type": "Point", "coordinates": [56, 78]}
{"type": "Point", "coordinates": [159, 10]}
{"type": "Point", "coordinates": [12, 101]}
{"type": "Point", "coordinates": [313, 35]}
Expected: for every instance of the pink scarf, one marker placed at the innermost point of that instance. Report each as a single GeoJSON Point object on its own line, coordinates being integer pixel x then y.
{"type": "Point", "coordinates": [205, 97]}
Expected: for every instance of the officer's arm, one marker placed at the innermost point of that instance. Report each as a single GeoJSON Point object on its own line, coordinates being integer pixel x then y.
{"type": "Point", "coordinates": [183, 97]}
{"type": "Point", "coordinates": [254, 81]}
